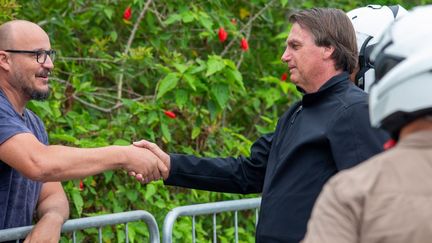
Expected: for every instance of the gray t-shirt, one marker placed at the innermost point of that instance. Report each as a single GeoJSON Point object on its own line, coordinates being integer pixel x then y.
{"type": "Point", "coordinates": [18, 194]}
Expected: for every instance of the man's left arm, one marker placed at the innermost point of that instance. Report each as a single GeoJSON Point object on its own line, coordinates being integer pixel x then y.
{"type": "Point", "coordinates": [53, 211]}
{"type": "Point", "coordinates": [352, 139]}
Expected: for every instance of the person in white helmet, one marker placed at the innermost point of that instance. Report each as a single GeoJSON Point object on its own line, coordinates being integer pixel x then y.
{"type": "Point", "coordinates": [369, 23]}
{"type": "Point", "coordinates": [388, 198]}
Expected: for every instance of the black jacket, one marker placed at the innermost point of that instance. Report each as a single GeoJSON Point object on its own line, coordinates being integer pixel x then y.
{"type": "Point", "coordinates": [325, 132]}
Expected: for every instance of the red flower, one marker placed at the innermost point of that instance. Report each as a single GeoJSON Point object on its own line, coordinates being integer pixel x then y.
{"type": "Point", "coordinates": [127, 14]}
{"type": "Point", "coordinates": [244, 44]}
{"type": "Point", "coordinates": [223, 35]}
{"type": "Point", "coordinates": [81, 185]}
{"type": "Point", "coordinates": [389, 144]}
{"type": "Point", "coordinates": [170, 114]}
{"type": "Point", "coordinates": [284, 76]}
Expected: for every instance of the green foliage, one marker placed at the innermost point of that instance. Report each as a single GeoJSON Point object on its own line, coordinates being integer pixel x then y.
{"type": "Point", "coordinates": [115, 78]}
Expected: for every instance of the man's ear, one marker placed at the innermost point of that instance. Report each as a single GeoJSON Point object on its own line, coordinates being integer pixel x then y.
{"type": "Point", "coordinates": [327, 52]}
{"type": "Point", "coordinates": [4, 61]}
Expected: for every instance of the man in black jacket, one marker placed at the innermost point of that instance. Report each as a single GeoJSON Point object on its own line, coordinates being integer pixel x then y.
{"type": "Point", "coordinates": [327, 131]}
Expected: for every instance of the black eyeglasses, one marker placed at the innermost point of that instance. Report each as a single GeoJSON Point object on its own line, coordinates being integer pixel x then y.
{"type": "Point", "coordinates": [41, 55]}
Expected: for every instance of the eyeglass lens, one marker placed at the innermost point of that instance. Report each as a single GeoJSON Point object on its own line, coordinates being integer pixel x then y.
{"type": "Point", "coordinates": [41, 56]}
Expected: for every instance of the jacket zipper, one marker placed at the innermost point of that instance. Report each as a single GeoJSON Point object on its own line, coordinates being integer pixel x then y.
{"type": "Point", "coordinates": [296, 113]}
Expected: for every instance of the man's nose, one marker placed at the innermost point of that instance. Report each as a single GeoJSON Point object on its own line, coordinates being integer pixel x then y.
{"type": "Point", "coordinates": [48, 63]}
{"type": "Point", "coordinates": [285, 56]}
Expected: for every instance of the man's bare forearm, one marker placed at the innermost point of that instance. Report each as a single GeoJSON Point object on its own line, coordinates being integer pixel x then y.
{"type": "Point", "coordinates": [57, 163]}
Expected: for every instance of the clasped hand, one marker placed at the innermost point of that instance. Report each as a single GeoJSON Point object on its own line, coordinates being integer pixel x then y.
{"type": "Point", "coordinates": [156, 163]}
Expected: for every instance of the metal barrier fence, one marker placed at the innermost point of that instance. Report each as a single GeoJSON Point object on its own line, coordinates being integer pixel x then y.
{"type": "Point", "coordinates": [209, 208]}
{"type": "Point", "coordinates": [93, 222]}
{"type": "Point", "coordinates": [100, 221]}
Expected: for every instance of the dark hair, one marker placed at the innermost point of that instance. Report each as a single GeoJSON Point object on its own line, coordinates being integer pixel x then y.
{"type": "Point", "coordinates": [331, 27]}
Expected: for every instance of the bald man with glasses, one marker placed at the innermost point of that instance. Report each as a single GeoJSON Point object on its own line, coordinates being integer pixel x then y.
{"type": "Point", "coordinates": [30, 169]}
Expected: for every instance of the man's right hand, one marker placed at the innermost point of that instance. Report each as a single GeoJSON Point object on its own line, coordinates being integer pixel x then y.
{"type": "Point", "coordinates": [159, 153]}
{"type": "Point", "coordinates": [145, 163]}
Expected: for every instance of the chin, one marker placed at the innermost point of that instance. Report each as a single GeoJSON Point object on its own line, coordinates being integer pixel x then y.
{"type": "Point", "coordinates": [41, 94]}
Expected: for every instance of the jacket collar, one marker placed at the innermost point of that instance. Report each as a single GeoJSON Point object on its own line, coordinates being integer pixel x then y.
{"type": "Point", "coordinates": [420, 139]}
{"type": "Point", "coordinates": [329, 86]}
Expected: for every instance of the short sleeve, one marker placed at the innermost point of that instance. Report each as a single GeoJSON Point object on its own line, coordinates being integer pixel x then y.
{"type": "Point", "coordinates": [10, 125]}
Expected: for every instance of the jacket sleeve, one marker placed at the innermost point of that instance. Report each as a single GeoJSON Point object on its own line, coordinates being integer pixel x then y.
{"type": "Point", "coordinates": [236, 175]}
{"type": "Point", "coordinates": [352, 139]}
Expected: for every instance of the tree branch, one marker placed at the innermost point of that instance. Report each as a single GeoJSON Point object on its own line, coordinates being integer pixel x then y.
{"type": "Point", "coordinates": [227, 47]}
{"type": "Point", "coordinates": [128, 45]}
{"type": "Point", "coordinates": [87, 59]}
{"type": "Point", "coordinates": [242, 53]}
{"type": "Point", "coordinates": [158, 15]}
{"type": "Point", "coordinates": [117, 103]}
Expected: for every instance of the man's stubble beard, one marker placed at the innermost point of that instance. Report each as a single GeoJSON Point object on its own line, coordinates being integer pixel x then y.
{"type": "Point", "coordinates": [36, 94]}
{"type": "Point", "coordinates": [29, 91]}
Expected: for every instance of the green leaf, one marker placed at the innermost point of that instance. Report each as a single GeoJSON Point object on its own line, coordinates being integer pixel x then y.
{"type": "Point", "coordinates": [172, 19]}
{"type": "Point", "coordinates": [108, 12]}
{"type": "Point", "coordinates": [113, 36]}
{"type": "Point", "coordinates": [221, 93]}
{"type": "Point", "coordinates": [291, 88]}
{"type": "Point", "coordinates": [167, 84]}
{"type": "Point", "coordinates": [213, 109]}
{"type": "Point", "coordinates": [160, 204]}
{"type": "Point", "coordinates": [270, 96]}
{"type": "Point", "coordinates": [181, 67]}
{"type": "Point", "coordinates": [122, 142]}
{"type": "Point", "coordinates": [131, 234]}
{"type": "Point", "coordinates": [108, 175]}
{"type": "Point", "coordinates": [128, 102]}
{"type": "Point", "coordinates": [121, 237]}
{"type": "Point", "coordinates": [63, 137]}
{"type": "Point", "coordinates": [267, 119]}
{"type": "Point", "coordinates": [230, 64]}
{"type": "Point", "coordinates": [198, 69]}
{"type": "Point", "coordinates": [264, 129]}
{"type": "Point", "coordinates": [214, 64]}
{"type": "Point", "coordinates": [195, 132]}
{"type": "Point", "coordinates": [77, 200]}
{"type": "Point", "coordinates": [165, 132]}
{"type": "Point", "coordinates": [44, 106]}
{"type": "Point", "coordinates": [270, 79]}
{"type": "Point", "coordinates": [237, 77]}
{"type": "Point", "coordinates": [191, 80]}
{"type": "Point", "coordinates": [187, 17]}
{"type": "Point", "coordinates": [282, 36]}
{"type": "Point", "coordinates": [140, 227]}
{"type": "Point", "coordinates": [206, 21]}
{"type": "Point", "coordinates": [150, 190]}
{"type": "Point", "coordinates": [181, 97]}
{"type": "Point", "coordinates": [132, 195]}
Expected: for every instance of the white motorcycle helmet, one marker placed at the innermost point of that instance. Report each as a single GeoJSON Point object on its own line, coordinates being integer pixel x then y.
{"type": "Point", "coordinates": [402, 91]}
{"type": "Point", "coordinates": [369, 23]}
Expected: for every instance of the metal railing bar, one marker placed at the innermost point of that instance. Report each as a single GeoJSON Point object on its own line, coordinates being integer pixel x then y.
{"type": "Point", "coordinates": [214, 228]}
{"type": "Point", "coordinates": [236, 226]}
{"type": "Point", "coordinates": [203, 209]}
{"type": "Point", "coordinates": [193, 229]}
{"type": "Point", "coordinates": [93, 222]}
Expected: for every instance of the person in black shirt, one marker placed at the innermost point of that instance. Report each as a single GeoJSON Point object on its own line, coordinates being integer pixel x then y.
{"type": "Point", "coordinates": [327, 131]}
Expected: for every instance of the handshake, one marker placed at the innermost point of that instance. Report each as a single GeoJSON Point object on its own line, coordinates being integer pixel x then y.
{"type": "Point", "coordinates": [148, 164]}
